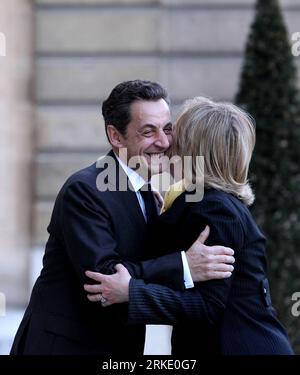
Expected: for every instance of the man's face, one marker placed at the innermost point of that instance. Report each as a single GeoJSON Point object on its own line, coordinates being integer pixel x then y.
{"type": "Point", "coordinates": [149, 133]}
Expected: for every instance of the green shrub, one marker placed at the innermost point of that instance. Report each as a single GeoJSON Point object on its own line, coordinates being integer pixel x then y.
{"type": "Point", "coordinates": [268, 91]}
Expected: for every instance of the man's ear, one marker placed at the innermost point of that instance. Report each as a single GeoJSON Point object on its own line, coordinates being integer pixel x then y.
{"type": "Point", "coordinates": [114, 136]}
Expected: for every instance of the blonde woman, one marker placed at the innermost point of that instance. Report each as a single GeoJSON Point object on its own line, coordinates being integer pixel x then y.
{"type": "Point", "coordinates": [230, 316]}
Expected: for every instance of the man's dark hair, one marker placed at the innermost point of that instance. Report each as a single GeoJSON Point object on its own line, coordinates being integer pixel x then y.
{"type": "Point", "coordinates": [116, 108]}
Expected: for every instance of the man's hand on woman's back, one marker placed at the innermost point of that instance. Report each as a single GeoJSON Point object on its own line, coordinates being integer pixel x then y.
{"type": "Point", "coordinates": [209, 262]}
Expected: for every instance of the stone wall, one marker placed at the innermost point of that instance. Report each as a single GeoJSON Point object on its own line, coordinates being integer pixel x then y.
{"type": "Point", "coordinates": [82, 49]}
{"type": "Point", "coordinates": [85, 47]}
{"type": "Point", "coordinates": [15, 149]}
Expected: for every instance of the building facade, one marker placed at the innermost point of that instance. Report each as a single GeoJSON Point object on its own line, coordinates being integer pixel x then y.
{"type": "Point", "coordinates": [62, 59]}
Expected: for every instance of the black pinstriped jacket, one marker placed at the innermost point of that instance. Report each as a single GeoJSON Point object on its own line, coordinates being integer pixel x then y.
{"type": "Point", "coordinates": [230, 316]}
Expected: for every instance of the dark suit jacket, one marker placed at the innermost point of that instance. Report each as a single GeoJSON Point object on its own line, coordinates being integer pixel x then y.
{"type": "Point", "coordinates": [230, 316]}
{"type": "Point", "coordinates": [90, 230]}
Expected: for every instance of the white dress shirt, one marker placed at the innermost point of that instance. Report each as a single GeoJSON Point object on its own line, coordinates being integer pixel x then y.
{"type": "Point", "coordinates": [158, 337]}
{"type": "Point", "coordinates": [137, 182]}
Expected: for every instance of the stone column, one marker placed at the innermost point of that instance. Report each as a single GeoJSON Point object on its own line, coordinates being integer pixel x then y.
{"type": "Point", "coordinates": [16, 125]}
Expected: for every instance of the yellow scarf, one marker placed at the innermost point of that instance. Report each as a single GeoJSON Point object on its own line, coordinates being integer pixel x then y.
{"type": "Point", "coordinates": [174, 191]}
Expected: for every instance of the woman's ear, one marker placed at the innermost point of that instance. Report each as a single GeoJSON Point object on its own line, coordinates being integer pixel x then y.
{"type": "Point", "coordinates": [114, 136]}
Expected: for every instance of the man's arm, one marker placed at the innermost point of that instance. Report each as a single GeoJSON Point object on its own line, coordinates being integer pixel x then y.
{"type": "Point", "coordinates": [158, 304]}
{"type": "Point", "coordinates": [91, 244]}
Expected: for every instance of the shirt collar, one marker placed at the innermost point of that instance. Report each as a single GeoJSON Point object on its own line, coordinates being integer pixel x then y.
{"type": "Point", "coordinates": [135, 179]}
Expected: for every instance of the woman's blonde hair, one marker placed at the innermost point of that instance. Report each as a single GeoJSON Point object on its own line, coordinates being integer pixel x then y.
{"type": "Point", "coordinates": [225, 136]}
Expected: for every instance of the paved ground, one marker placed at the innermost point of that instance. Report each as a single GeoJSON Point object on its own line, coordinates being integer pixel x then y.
{"type": "Point", "coordinates": [8, 327]}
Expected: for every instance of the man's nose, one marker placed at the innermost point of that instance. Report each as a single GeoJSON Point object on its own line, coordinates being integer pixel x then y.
{"type": "Point", "coordinates": [162, 140]}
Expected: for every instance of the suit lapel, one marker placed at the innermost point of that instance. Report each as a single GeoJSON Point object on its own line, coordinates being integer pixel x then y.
{"type": "Point", "coordinates": [128, 196]}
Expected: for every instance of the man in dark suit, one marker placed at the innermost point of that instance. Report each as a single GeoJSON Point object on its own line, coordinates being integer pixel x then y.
{"type": "Point", "coordinates": [97, 223]}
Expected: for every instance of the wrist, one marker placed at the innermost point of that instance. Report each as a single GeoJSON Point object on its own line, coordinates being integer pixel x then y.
{"type": "Point", "coordinates": [189, 260]}
{"type": "Point", "coordinates": [126, 294]}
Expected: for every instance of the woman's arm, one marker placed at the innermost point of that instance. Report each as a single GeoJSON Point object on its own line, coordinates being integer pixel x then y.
{"type": "Point", "coordinates": [91, 243]}
{"type": "Point", "coordinates": [157, 304]}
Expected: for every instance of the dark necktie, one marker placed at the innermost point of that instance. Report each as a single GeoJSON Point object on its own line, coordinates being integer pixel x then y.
{"type": "Point", "coordinates": [149, 200]}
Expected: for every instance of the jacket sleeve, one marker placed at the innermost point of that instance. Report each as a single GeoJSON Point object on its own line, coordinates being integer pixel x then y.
{"type": "Point", "coordinates": [158, 304]}
{"type": "Point", "coordinates": [91, 244]}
